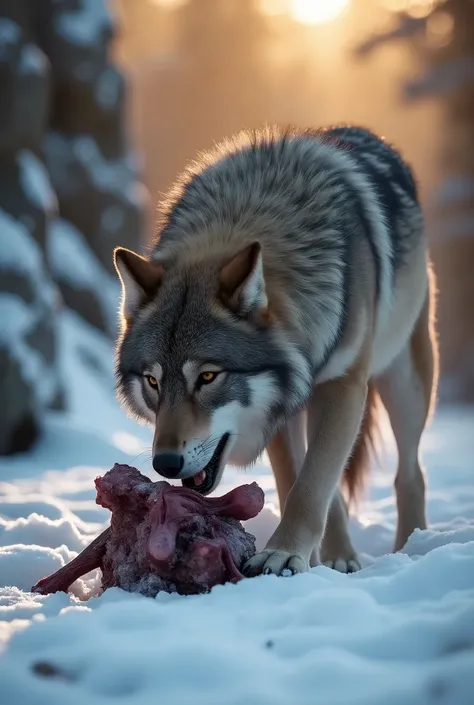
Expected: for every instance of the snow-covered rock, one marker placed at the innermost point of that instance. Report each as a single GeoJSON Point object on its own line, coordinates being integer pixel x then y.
{"type": "Point", "coordinates": [86, 147]}
{"type": "Point", "coordinates": [77, 39]}
{"type": "Point", "coordinates": [26, 193]}
{"type": "Point", "coordinates": [29, 381]}
{"type": "Point", "coordinates": [35, 182]}
{"type": "Point", "coordinates": [101, 197]}
{"type": "Point", "coordinates": [56, 77]}
{"type": "Point", "coordinates": [24, 81]}
{"type": "Point", "coordinates": [85, 285]}
{"type": "Point", "coordinates": [95, 107]}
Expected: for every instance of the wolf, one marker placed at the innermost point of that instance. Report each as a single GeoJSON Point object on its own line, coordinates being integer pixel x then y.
{"type": "Point", "coordinates": [288, 295]}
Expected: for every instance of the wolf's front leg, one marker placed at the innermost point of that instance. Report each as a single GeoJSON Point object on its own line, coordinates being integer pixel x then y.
{"type": "Point", "coordinates": [338, 407]}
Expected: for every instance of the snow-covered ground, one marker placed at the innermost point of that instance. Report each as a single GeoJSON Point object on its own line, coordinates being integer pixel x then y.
{"type": "Point", "coordinates": [400, 631]}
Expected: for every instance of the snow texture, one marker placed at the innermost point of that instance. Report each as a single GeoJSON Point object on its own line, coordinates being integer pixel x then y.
{"type": "Point", "coordinates": [35, 182]}
{"type": "Point", "coordinates": [72, 260]}
{"type": "Point", "coordinates": [87, 25]}
{"type": "Point", "coordinates": [33, 60]}
{"type": "Point", "coordinates": [107, 89]}
{"type": "Point", "coordinates": [115, 176]}
{"type": "Point", "coordinates": [20, 254]}
{"type": "Point", "coordinates": [399, 631]}
{"type": "Point", "coordinates": [18, 320]}
{"type": "Point", "coordinates": [10, 33]}
{"type": "Point", "coordinates": [18, 250]}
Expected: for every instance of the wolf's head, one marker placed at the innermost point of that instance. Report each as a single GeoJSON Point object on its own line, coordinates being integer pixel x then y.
{"type": "Point", "coordinates": [203, 358]}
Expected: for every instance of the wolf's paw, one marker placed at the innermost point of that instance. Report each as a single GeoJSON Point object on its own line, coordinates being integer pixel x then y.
{"type": "Point", "coordinates": [344, 565]}
{"type": "Point", "coordinates": [274, 561]}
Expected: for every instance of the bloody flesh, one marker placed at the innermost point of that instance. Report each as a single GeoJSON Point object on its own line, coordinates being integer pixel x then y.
{"type": "Point", "coordinates": [163, 537]}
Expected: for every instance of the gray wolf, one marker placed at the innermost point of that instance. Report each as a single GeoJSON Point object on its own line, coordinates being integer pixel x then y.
{"type": "Point", "coordinates": [289, 292]}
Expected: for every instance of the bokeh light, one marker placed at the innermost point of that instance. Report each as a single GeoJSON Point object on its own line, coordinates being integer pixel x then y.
{"type": "Point", "coordinates": [312, 12]}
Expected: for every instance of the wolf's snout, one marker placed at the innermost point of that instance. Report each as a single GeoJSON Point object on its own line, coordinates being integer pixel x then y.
{"type": "Point", "coordinates": [168, 464]}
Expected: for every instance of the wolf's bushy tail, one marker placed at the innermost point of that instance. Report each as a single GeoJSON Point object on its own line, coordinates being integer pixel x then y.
{"type": "Point", "coordinates": [365, 448]}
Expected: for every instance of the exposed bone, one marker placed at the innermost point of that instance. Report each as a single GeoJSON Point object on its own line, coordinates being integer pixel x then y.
{"type": "Point", "coordinates": [89, 559]}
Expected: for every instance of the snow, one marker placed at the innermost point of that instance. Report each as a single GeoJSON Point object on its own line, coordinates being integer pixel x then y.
{"type": "Point", "coordinates": [112, 218]}
{"type": "Point", "coordinates": [10, 33]}
{"type": "Point", "coordinates": [107, 90]}
{"type": "Point", "coordinates": [400, 630]}
{"type": "Point", "coordinates": [18, 250]}
{"type": "Point", "coordinates": [113, 176]}
{"type": "Point", "coordinates": [87, 25]}
{"type": "Point", "coordinates": [72, 260]}
{"type": "Point", "coordinates": [19, 253]}
{"type": "Point", "coordinates": [33, 60]}
{"type": "Point", "coordinates": [18, 320]}
{"type": "Point", "coordinates": [35, 182]}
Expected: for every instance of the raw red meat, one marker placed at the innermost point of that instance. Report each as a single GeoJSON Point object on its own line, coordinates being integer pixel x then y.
{"type": "Point", "coordinates": [163, 537]}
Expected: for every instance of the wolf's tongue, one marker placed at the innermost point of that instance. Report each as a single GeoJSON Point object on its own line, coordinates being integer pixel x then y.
{"type": "Point", "coordinates": [199, 478]}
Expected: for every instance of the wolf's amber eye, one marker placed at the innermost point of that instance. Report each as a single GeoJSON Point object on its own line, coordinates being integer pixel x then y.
{"type": "Point", "coordinates": [152, 381]}
{"type": "Point", "coordinates": [206, 378]}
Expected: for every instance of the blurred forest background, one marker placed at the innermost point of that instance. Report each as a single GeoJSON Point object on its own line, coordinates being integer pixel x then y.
{"type": "Point", "coordinates": [103, 103]}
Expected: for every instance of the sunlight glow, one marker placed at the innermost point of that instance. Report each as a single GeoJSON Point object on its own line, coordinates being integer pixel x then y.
{"type": "Point", "coordinates": [312, 12]}
{"type": "Point", "coordinates": [439, 29]}
{"type": "Point", "coordinates": [273, 8]}
{"type": "Point", "coordinates": [169, 4]}
{"type": "Point", "coordinates": [415, 8]}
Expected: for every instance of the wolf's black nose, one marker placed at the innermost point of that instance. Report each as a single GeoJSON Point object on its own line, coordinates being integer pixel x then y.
{"type": "Point", "coordinates": [168, 464]}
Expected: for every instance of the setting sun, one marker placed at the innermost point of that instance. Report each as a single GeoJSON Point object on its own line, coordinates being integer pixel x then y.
{"type": "Point", "coordinates": [316, 11]}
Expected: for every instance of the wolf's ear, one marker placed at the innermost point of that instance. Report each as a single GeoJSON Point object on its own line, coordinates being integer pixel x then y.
{"type": "Point", "coordinates": [242, 282]}
{"type": "Point", "coordinates": [140, 279]}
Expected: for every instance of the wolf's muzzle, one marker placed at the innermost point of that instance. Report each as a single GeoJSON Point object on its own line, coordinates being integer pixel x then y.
{"type": "Point", "coordinates": [168, 464]}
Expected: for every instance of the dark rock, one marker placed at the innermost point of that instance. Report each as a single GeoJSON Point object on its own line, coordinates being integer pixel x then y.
{"type": "Point", "coordinates": [76, 36]}
{"type": "Point", "coordinates": [42, 338]}
{"type": "Point", "coordinates": [85, 285]}
{"type": "Point", "coordinates": [93, 107]}
{"type": "Point", "coordinates": [26, 194]}
{"type": "Point", "coordinates": [44, 669]}
{"type": "Point", "coordinates": [55, 73]}
{"type": "Point", "coordinates": [29, 379]}
{"type": "Point", "coordinates": [86, 304]}
{"type": "Point", "coordinates": [25, 13]}
{"type": "Point", "coordinates": [115, 200]}
{"type": "Point", "coordinates": [18, 418]}
{"type": "Point", "coordinates": [16, 284]}
{"type": "Point", "coordinates": [25, 90]}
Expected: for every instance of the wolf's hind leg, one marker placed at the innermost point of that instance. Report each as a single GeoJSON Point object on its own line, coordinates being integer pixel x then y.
{"type": "Point", "coordinates": [407, 390]}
